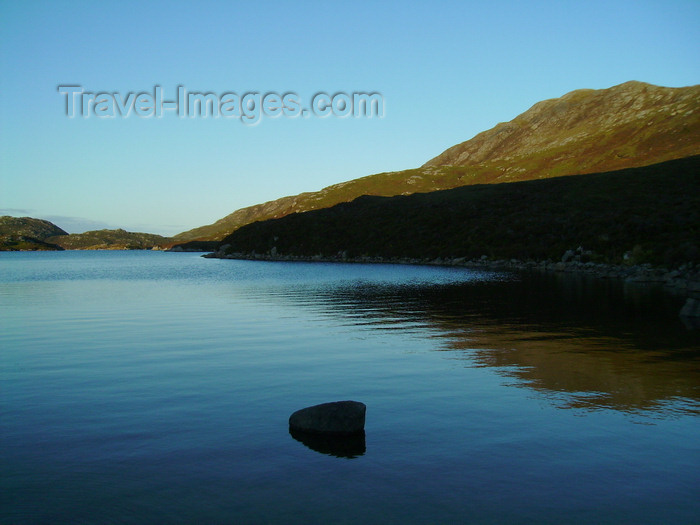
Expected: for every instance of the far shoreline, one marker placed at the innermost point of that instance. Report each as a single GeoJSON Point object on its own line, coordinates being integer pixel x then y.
{"type": "Point", "coordinates": [683, 281]}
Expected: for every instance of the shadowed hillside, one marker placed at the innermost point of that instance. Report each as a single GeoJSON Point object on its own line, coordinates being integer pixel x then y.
{"type": "Point", "coordinates": [585, 131]}
{"type": "Point", "coordinates": [636, 215]}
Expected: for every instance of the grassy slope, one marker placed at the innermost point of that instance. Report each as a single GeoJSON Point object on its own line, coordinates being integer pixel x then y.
{"type": "Point", "coordinates": [29, 227]}
{"type": "Point", "coordinates": [652, 212]}
{"type": "Point", "coordinates": [585, 131]}
{"type": "Point", "coordinates": [27, 234]}
{"type": "Point", "coordinates": [588, 131]}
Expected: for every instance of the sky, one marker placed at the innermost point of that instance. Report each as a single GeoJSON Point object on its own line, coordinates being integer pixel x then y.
{"type": "Point", "coordinates": [445, 72]}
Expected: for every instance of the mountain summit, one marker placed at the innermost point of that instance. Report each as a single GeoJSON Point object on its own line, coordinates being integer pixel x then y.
{"type": "Point", "coordinates": [589, 130]}
{"type": "Point", "coordinates": [586, 131]}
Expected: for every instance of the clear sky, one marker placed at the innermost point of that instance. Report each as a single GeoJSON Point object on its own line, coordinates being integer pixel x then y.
{"type": "Point", "coordinates": [446, 71]}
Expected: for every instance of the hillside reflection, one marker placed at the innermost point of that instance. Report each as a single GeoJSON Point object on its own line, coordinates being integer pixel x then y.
{"type": "Point", "coordinates": [585, 343]}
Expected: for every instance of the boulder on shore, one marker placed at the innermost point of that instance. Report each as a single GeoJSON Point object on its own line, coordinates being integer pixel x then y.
{"type": "Point", "coordinates": [340, 418]}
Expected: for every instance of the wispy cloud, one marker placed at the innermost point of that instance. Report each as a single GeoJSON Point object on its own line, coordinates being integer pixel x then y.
{"type": "Point", "coordinates": [14, 211]}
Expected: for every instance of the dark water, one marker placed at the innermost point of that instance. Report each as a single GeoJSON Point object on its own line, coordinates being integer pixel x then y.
{"type": "Point", "coordinates": [155, 387]}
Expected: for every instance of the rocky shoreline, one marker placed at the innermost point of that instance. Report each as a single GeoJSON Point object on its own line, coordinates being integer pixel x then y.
{"type": "Point", "coordinates": [683, 281]}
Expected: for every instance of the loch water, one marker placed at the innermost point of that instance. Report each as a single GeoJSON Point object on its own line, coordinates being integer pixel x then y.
{"type": "Point", "coordinates": [151, 387]}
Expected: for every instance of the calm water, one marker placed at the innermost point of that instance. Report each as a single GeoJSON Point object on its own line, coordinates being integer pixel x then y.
{"type": "Point", "coordinates": [155, 387]}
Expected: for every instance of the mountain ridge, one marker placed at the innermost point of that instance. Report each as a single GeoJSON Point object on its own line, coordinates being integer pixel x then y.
{"type": "Point", "coordinates": [624, 110]}
{"type": "Point", "coordinates": [585, 131]}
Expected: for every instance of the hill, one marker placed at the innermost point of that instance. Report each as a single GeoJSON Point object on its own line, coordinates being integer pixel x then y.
{"type": "Point", "coordinates": [29, 227]}
{"type": "Point", "coordinates": [636, 215]}
{"type": "Point", "coordinates": [589, 131]}
{"type": "Point", "coordinates": [27, 234]}
{"type": "Point", "coordinates": [630, 125]}
{"type": "Point", "coordinates": [109, 240]}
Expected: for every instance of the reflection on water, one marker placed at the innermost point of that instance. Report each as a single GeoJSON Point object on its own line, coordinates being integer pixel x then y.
{"type": "Point", "coordinates": [339, 446]}
{"type": "Point", "coordinates": [585, 343]}
{"type": "Point", "coordinates": [156, 388]}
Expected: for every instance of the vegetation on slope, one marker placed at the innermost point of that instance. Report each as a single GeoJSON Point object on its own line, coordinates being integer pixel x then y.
{"type": "Point", "coordinates": [637, 215]}
{"type": "Point", "coordinates": [27, 234]}
{"type": "Point", "coordinates": [22, 243]}
{"type": "Point", "coordinates": [29, 227]}
{"type": "Point", "coordinates": [109, 240]}
{"type": "Point", "coordinates": [586, 131]}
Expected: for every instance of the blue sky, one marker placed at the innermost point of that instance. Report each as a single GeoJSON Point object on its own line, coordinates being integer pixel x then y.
{"type": "Point", "coordinates": [446, 71]}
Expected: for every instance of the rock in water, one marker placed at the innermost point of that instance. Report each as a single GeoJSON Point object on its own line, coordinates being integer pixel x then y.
{"type": "Point", "coordinates": [340, 418]}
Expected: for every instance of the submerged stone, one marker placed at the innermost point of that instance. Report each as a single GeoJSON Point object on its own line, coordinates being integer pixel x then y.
{"type": "Point", "coordinates": [341, 418]}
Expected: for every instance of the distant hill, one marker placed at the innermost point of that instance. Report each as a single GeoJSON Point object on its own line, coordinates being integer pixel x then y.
{"type": "Point", "coordinates": [630, 125]}
{"type": "Point", "coordinates": [109, 240]}
{"type": "Point", "coordinates": [29, 227]}
{"type": "Point", "coordinates": [27, 234]}
{"type": "Point", "coordinates": [636, 215]}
